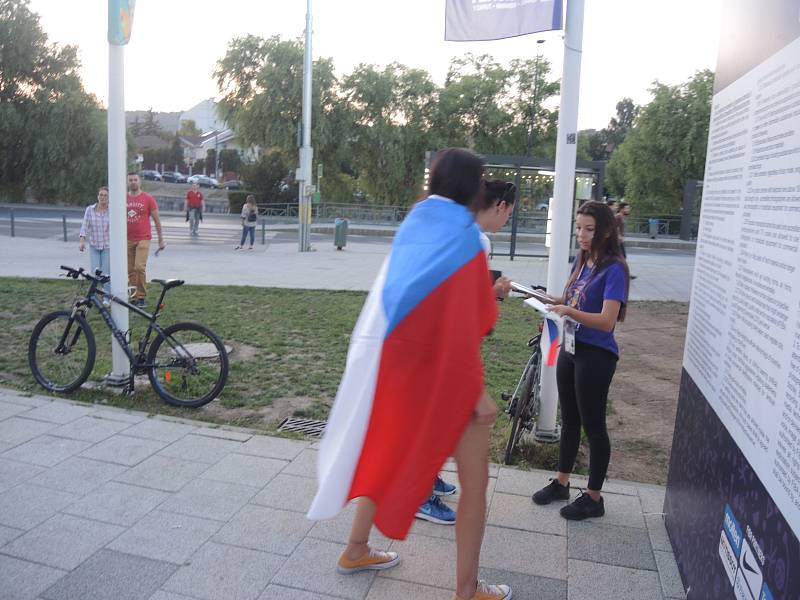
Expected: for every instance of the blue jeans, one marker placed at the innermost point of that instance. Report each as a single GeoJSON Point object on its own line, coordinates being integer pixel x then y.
{"type": "Point", "coordinates": [251, 231]}
{"type": "Point", "coordinates": [99, 259]}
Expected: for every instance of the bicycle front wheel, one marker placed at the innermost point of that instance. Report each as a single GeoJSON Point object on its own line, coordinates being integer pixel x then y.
{"type": "Point", "coordinates": [524, 406]}
{"type": "Point", "coordinates": [188, 365]}
{"type": "Point", "coordinates": [61, 351]}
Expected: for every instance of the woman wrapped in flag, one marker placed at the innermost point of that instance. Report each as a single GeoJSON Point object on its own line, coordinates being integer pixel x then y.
{"type": "Point", "coordinates": [595, 298]}
{"type": "Point", "coordinates": [413, 392]}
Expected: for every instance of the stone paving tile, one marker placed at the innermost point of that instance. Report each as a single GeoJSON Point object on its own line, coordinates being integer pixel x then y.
{"type": "Point", "coordinates": [46, 450]}
{"type": "Point", "coordinates": [13, 472]}
{"type": "Point", "coordinates": [25, 506]}
{"type": "Point", "coordinates": [113, 413]}
{"type": "Point", "coordinates": [305, 465]}
{"type": "Point", "coordinates": [17, 430]}
{"type": "Point", "coordinates": [23, 580]}
{"type": "Point", "coordinates": [219, 572]}
{"type": "Point", "coordinates": [606, 582]}
{"type": "Point", "coordinates": [265, 529]}
{"type": "Point", "coordinates": [289, 492]}
{"type": "Point", "coordinates": [4, 446]}
{"type": "Point", "coordinates": [78, 475]}
{"type": "Point", "coordinates": [652, 499]}
{"type": "Point", "coordinates": [224, 433]}
{"type": "Point", "coordinates": [30, 401]}
{"type": "Point", "coordinates": [123, 450]}
{"type": "Point", "coordinates": [273, 447]}
{"type": "Point", "coordinates": [117, 503]}
{"type": "Point", "coordinates": [424, 560]}
{"type": "Point", "coordinates": [519, 512]}
{"type": "Point", "coordinates": [659, 538]}
{"type": "Point", "coordinates": [255, 471]}
{"type": "Point", "coordinates": [166, 536]}
{"type": "Point", "coordinates": [279, 592]}
{"type": "Point", "coordinates": [158, 429]}
{"type": "Point", "coordinates": [199, 448]}
{"type": "Point", "coordinates": [610, 544]}
{"type": "Point", "coordinates": [671, 583]}
{"type": "Point", "coordinates": [391, 589]}
{"type": "Point", "coordinates": [525, 552]}
{"type": "Point", "coordinates": [90, 429]}
{"type": "Point", "coordinates": [162, 595]}
{"type": "Point", "coordinates": [527, 587]}
{"type": "Point", "coordinates": [112, 575]}
{"type": "Point", "coordinates": [9, 533]}
{"type": "Point", "coordinates": [312, 567]}
{"type": "Point", "coordinates": [59, 412]}
{"type": "Point", "coordinates": [437, 530]}
{"type": "Point", "coordinates": [9, 410]}
{"type": "Point", "coordinates": [337, 530]}
{"type": "Point", "coordinates": [163, 473]}
{"type": "Point", "coordinates": [623, 510]}
{"type": "Point", "coordinates": [63, 541]}
{"type": "Point", "coordinates": [209, 499]}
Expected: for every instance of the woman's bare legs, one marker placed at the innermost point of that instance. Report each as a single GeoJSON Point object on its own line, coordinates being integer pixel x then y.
{"type": "Point", "coordinates": [472, 458]}
{"type": "Point", "coordinates": [357, 545]}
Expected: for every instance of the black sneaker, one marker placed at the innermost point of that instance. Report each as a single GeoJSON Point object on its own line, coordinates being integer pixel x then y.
{"type": "Point", "coordinates": [552, 491]}
{"type": "Point", "coordinates": [583, 508]}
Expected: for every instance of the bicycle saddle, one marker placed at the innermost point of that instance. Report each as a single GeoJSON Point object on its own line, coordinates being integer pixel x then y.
{"type": "Point", "coordinates": [169, 283]}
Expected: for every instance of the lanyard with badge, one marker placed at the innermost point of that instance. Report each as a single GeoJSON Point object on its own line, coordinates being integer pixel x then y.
{"type": "Point", "coordinates": [570, 326]}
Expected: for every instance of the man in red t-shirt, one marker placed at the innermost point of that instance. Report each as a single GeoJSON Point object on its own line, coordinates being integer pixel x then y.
{"type": "Point", "coordinates": [141, 207]}
{"type": "Point", "coordinates": [194, 206]}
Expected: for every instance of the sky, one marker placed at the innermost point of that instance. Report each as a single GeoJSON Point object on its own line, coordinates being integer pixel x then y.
{"type": "Point", "coordinates": [627, 44]}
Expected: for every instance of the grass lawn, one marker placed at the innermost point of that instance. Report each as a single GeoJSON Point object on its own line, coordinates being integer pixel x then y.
{"type": "Point", "coordinates": [289, 349]}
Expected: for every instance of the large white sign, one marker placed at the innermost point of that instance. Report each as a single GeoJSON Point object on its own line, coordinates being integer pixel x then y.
{"type": "Point", "coordinates": [743, 336]}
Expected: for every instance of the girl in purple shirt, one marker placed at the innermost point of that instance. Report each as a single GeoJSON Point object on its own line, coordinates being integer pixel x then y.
{"type": "Point", "coordinates": [595, 297]}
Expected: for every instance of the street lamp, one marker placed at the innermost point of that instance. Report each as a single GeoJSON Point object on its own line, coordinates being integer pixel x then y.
{"type": "Point", "coordinates": [535, 104]}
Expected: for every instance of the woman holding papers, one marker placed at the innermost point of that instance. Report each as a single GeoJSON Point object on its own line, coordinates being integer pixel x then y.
{"type": "Point", "coordinates": [595, 299]}
{"type": "Point", "coordinates": [413, 391]}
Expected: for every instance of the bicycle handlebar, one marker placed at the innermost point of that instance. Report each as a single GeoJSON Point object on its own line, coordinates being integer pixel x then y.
{"type": "Point", "coordinates": [81, 272]}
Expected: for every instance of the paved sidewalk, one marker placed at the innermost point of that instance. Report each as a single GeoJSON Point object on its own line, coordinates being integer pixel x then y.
{"type": "Point", "coordinates": [101, 503]}
{"type": "Point", "coordinates": [665, 275]}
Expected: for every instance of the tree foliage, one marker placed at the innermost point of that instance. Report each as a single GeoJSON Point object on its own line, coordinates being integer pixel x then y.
{"type": "Point", "coordinates": [666, 146]}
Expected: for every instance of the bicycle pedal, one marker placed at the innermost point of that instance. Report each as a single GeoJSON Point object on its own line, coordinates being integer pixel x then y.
{"type": "Point", "coordinates": [505, 396]}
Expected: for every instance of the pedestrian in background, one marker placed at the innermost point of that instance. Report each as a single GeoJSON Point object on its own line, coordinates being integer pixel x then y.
{"type": "Point", "coordinates": [95, 229]}
{"type": "Point", "coordinates": [141, 207]}
{"type": "Point", "coordinates": [194, 206]}
{"type": "Point", "coordinates": [249, 220]}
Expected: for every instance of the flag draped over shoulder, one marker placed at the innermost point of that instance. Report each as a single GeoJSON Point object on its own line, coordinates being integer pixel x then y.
{"type": "Point", "coordinates": [414, 373]}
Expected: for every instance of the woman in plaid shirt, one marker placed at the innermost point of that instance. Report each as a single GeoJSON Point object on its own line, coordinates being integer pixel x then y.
{"type": "Point", "coordinates": [95, 227]}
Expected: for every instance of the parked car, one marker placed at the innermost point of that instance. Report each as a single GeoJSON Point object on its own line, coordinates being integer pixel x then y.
{"type": "Point", "coordinates": [204, 181]}
{"type": "Point", "coordinates": [150, 175]}
{"type": "Point", "coordinates": [173, 177]}
{"type": "Point", "coordinates": [233, 184]}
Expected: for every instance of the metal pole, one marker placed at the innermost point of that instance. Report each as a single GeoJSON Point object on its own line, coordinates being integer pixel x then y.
{"type": "Point", "coordinates": [118, 227]}
{"type": "Point", "coordinates": [64, 226]}
{"type": "Point", "coordinates": [689, 193]}
{"type": "Point", "coordinates": [12, 222]}
{"type": "Point", "coordinates": [306, 151]}
{"type": "Point", "coordinates": [263, 232]}
{"type": "Point", "coordinates": [563, 193]}
{"type": "Point", "coordinates": [515, 214]}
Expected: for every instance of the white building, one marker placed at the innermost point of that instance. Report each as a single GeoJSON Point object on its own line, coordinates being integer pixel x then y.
{"type": "Point", "coordinates": [205, 116]}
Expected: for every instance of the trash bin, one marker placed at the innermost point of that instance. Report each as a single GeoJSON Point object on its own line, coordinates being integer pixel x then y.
{"type": "Point", "coordinates": [653, 223]}
{"type": "Point", "coordinates": [340, 233]}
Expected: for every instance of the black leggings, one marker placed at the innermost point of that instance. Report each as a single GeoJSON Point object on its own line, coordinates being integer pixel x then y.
{"type": "Point", "coordinates": [583, 382]}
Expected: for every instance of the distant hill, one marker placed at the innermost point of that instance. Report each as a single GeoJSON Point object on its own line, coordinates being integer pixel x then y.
{"type": "Point", "coordinates": [169, 122]}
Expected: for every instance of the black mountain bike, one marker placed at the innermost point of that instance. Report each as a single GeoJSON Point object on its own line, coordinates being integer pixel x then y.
{"type": "Point", "coordinates": [524, 403]}
{"type": "Point", "coordinates": [187, 364]}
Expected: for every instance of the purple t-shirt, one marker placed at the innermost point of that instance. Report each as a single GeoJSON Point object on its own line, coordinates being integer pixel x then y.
{"type": "Point", "coordinates": [587, 294]}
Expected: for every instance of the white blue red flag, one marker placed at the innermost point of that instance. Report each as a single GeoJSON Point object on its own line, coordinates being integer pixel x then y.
{"type": "Point", "coordinates": [551, 341]}
{"type": "Point", "coordinates": [414, 373]}
{"type": "Point", "coordinates": [478, 20]}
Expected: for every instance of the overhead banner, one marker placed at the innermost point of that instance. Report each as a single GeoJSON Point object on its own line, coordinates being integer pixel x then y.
{"type": "Point", "coordinates": [733, 495]}
{"type": "Point", "coordinates": [480, 20]}
{"type": "Point", "coordinates": [120, 21]}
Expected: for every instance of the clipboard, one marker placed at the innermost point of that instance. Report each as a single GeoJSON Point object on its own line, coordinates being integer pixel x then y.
{"type": "Point", "coordinates": [524, 289]}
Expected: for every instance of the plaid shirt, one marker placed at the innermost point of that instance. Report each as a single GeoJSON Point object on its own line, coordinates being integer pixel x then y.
{"type": "Point", "coordinates": [95, 224]}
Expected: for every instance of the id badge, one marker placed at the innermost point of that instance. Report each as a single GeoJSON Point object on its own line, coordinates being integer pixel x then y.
{"type": "Point", "coordinates": [569, 336]}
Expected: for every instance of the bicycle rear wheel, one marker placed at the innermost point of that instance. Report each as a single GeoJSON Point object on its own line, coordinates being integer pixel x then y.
{"type": "Point", "coordinates": [525, 409]}
{"type": "Point", "coordinates": [61, 351]}
{"type": "Point", "coordinates": [188, 365]}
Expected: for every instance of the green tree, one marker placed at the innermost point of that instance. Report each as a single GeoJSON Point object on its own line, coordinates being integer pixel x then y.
{"type": "Point", "coordinates": [52, 133]}
{"type": "Point", "coordinates": [666, 146]}
{"type": "Point", "coordinates": [229, 160]}
{"type": "Point", "coordinates": [267, 177]}
{"type": "Point", "coordinates": [211, 162]}
{"type": "Point", "coordinates": [189, 128]}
